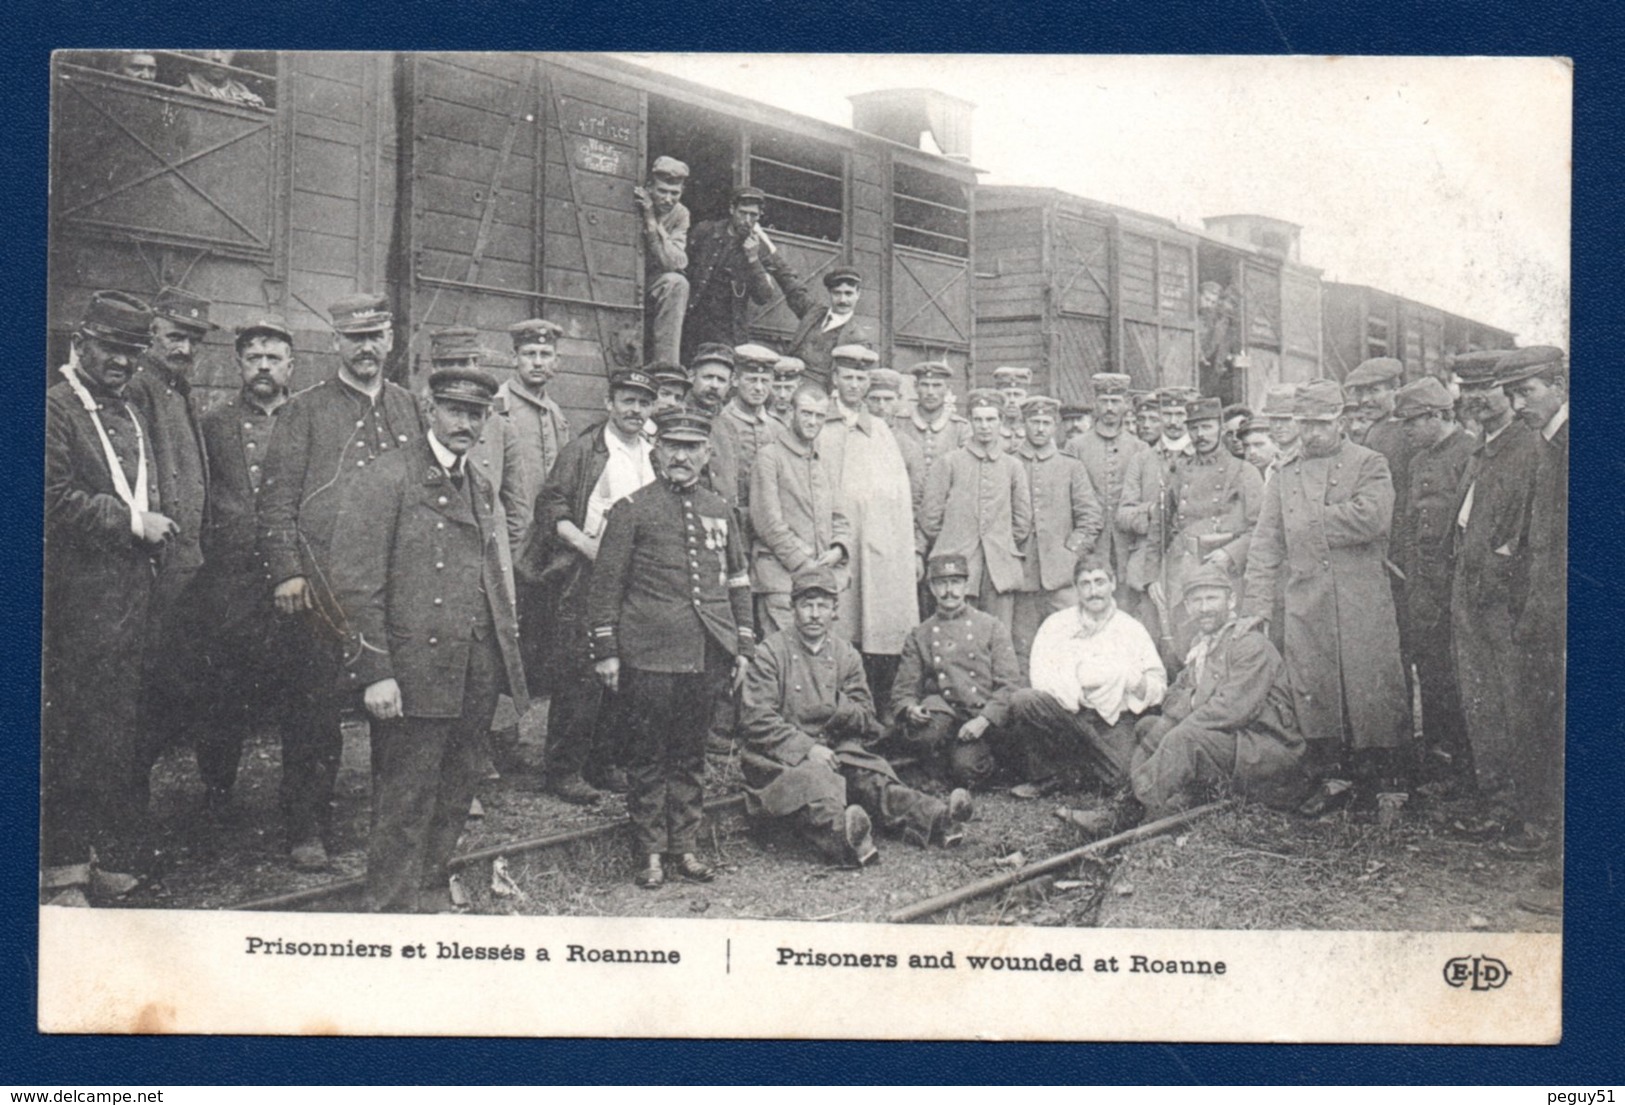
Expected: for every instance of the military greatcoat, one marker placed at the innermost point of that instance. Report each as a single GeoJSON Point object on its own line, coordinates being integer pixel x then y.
{"type": "Point", "coordinates": [977, 505]}
{"type": "Point", "coordinates": [1108, 460]}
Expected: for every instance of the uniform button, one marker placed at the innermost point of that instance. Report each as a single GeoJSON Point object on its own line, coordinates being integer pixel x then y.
{"type": "Point", "coordinates": [248, 425]}
{"type": "Point", "coordinates": [439, 565]}
{"type": "Point", "coordinates": [440, 525]}
{"type": "Point", "coordinates": [442, 500]}
{"type": "Point", "coordinates": [360, 422]}
{"type": "Point", "coordinates": [253, 468]}
{"type": "Point", "coordinates": [439, 601]}
{"type": "Point", "coordinates": [401, 438]}
{"type": "Point", "coordinates": [434, 641]}
{"type": "Point", "coordinates": [360, 464]}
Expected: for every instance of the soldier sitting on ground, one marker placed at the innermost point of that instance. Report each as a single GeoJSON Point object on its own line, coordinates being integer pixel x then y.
{"type": "Point", "coordinates": [807, 717]}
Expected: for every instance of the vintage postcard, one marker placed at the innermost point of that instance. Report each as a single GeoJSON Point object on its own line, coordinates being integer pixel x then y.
{"type": "Point", "coordinates": [818, 546]}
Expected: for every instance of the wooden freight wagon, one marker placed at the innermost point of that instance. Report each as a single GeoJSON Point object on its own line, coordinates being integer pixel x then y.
{"type": "Point", "coordinates": [477, 189]}
{"type": "Point", "coordinates": [1364, 322]}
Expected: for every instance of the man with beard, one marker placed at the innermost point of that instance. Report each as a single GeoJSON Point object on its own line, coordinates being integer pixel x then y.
{"type": "Point", "coordinates": [1489, 561]}
{"type": "Point", "coordinates": [794, 521]}
{"type": "Point", "coordinates": [104, 537]}
{"type": "Point", "coordinates": [255, 664]}
{"type": "Point", "coordinates": [1108, 454]}
{"type": "Point", "coordinates": [787, 374]}
{"type": "Point", "coordinates": [595, 471]}
{"type": "Point", "coordinates": [865, 467]}
{"type": "Point", "coordinates": [1094, 670]}
{"type": "Point", "coordinates": [808, 717]}
{"type": "Point", "coordinates": [432, 639]}
{"type": "Point", "coordinates": [978, 506]}
{"type": "Point", "coordinates": [936, 428]}
{"type": "Point", "coordinates": [1321, 542]}
{"type": "Point", "coordinates": [1067, 521]}
{"type": "Point", "coordinates": [533, 415]}
{"type": "Point", "coordinates": [1213, 504]}
{"type": "Point", "coordinates": [712, 371]}
{"type": "Point", "coordinates": [1536, 382]}
{"type": "Point", "coordinates": [823, 326]}
{"type": "Point", "coordinates": [162, 392]}
{"type": "Point", "coordinates": [1440, 453]}
{"type": "Point", "coordinates": [665, 256]}
{"type": "Point", "coordinates": [1227, 722]}
{"type": "Point", "coordinates": [731, 265]}
{"type": "Point", "coordinates": [325, 438]}
{"type": "Point", "coordinates": [669, 603]}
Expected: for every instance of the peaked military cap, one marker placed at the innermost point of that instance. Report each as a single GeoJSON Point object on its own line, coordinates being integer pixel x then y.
{"type": "Point", "coordinates": [843, 274]}
{"type": "Point", "coordinates": [1075, 410]}
{"type": "Point", "coordinates": [1177, 397]}
{"type": "Point", "coordinates": [1318, 401]}
{"type": "Point", "coordinates": [1010, 375]}
{"type": "Point", "coordinates": [712, 352]}
{"type": "Point", "coordinates": [118, 318]}
{"type": "Point", "coordinates": [1477, 366]}
{"type": "Point", "coordinates": [1278, 400]}
{"type": "Point", "coordinates": [364, 313]}
{"type": "Point", "coordinates": [463, 384]}
{"type": "Point", "coordinates": [183, 309]}
{"type": "Point", "coordinates": [274, 325]}
{"type": "Point", "coordinates": [1040, 404]}
{"type": "Point", "coordinates": [754, 358]}
{"type": "Point", "coordinates": [1207, 575]}
{"type": "Point", "coordinates": [667, 374]}
{"type": "Point", "coordinates": [885, 379]}
{"type": "Point", "coordinates": [632, 379]}
{"type": "Point", "coordinates": [534, 331]}
{"type": "Point", "coordinates": [788, 368]}
{"type": "Point", "coordinates": [950, 566]}
{"type": "Point", "coordinates": [1421, 397]}
{"type": "Point", "coordinates": [1522, 364]}
{"type": "Point", "coordinates": [1204, 410]}
{"type": "Point", "coordinates": [1252, 426]}
{"type": "Point", "coordinates": [1377, 370]}
{"type": "Point", "coordinates": [1144, 400]}
{"type": "Point", "coordinates": [1238, 410]}
{"type": "Point", "coordinates": [1109, 383]}
{"type": "Point", "coordinates": [932, 370]}
{"type": "Point", "coordinates": [983, 397]}
{"type": "Point", "coordinates": [747, 194]}
{"type": "Point", "coordinates": [811, 579]}
{"type": "Point", "coordinates": [854, 356]}
{"type": "Point", "coordinates": [669, 169]}
{"type": "Point", "coordinates": [683, 424]}
{"type": "Point", "coordinates": [455, 343]}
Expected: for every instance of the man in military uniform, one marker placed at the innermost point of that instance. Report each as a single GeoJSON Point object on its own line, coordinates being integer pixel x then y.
{"type": "Point", "coordinates": [978, 506]}
{"type": "Point", "coordinates": [104, 539]}
{"type": "Point", "coordinates": [1213, 504]}
{"type": "Point", "coordinates": [534, 416]}
{"type": "Point", "coordinates": [254, 664]}
{"type": "Point", "coordinates": [432, 639]}
{"type": "Point", "coordinates": [885, 392]}
{"type": "Point", "coordinates": [1536, 381]}
{"type": "Point", "coordinates": [808, 716]}
{"type": "Point", "coordinates": [1236, 415]}
{"type": "Point", "coordinates": [596, 470]}
{"type": "Point", "coordinates": [1489, 561]}
{"type": "Point", "coordinates": [669, 603]}
{"type": "Point", "coordinates": [1371, 389]}
{"type": "Point", "coordinates": [1277, 411]}
{"type": "Point", "coordinates": [1012, 382]}
{"type": "Point", "coordinates": [787, 376]}
{"type": "Point", "coordinates": [1258, 446]}
{"type": "Point", "coordinates": [665, 255]}
{"type": "Point", "coordinates": [731, 265]}
{"type": "Point", "coordinates": [823, 326]}
{"type": "Point", "coordinates": [162, 392]}
{"type": "Point", "coordinates": [954, 683]}
{"type": "Point", "coordinates": [712, 372]}
{"type": "Point", "coordinates": [794, 521]}
{"type": "Point", "coordinates": [1175, 446]}
{"type": "Point", "coordinates": [671, 390]}
{"type": "Point", "coordinates": [1321, 541]}
{"type": "Point", "coordinates": [1227, 722]}
{"type": "Point", "coordinates": [744, 419]}
{"type": "Point", "coordinates": [1075, 420]}
{"type": "Point", "coordinates": [1148, 417]}
{"type": "Point", "coordinates": [1067, 521]}
{"type": "Point", "coordinates": [933, 425]}
{"type": "Point", "coordinates": [1440, 453]}
{"type": "Point", "coordinates": [325, 437]}
{"type": "Point", "coordinates": [1108, 453]}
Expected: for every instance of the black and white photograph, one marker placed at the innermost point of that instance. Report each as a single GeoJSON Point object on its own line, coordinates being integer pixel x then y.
{"type": "Point", "coordinates": [973, 533]}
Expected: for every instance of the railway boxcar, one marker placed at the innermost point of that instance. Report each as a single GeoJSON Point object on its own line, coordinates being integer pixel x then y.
{"type": "Point", "coordinates": [478, 189]}
{"type": "Point", "coordinates": [1364, 322]}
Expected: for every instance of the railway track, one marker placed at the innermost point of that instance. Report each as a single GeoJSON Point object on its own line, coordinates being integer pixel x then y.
{"type": "Point", "coordinates": [337, 889]}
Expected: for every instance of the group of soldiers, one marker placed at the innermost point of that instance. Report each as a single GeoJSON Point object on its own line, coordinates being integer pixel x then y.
{"type": "Point", "coordinates": [756, 553]}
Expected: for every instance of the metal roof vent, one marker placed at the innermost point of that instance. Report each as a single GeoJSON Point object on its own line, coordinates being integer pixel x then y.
{"type": "Point", "coordinates": [919, 117]}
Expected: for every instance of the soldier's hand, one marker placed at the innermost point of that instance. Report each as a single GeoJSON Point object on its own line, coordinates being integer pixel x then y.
{"type": "Point", "coordinates": [823, 754]}
{"type": "Point", "coordinates": [741, 666]}
{"type": "Point", "coordinates": [917, 715]}
{"type": "Point", "coordinates": [752, 245]}
{"type": "Point", "coordinates": [383, 699]}
{"type": "Point", "coordinates": [974, 728]}
{"type": "Point", "coordinates": [292, 595]}
{"type": "Point", "coordinates": [157, 528]}
{"type": "Point", "coordinates": [609, 673]}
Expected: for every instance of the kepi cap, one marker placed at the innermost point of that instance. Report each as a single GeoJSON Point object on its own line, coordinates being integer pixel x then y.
{"type": "Point", "coordinates": [1204, 410]}
{"type": "Point", "coordinates": [714, 353]}
{"type": "Point", "coordinates": [117, 318]}
{"type": "Point", "coordinates": [1377, 370]}
{"type": "Point", "coordinates": [275, 325]}
{"type": "Point", "coordinates": [947, 567]}
{"type": "Point", "coordinates": [683, 424]}
{"type": "Point", "coordinates": [463, 384]}
{"type": "Point", "coordinates": [747, 194]}
{"type": "Point", "coordinates": [364, 313]}
{"type": "Point", "coordinates": [1421, 397]}
{"type": "Point", "coordinates": [456, 343]}
{"type": "Point", "coordinates": [183, 309]}
{"type": "Point", "coordinates": [1318, 401]}
{"type": "Point", "coordinates": [1278, 401]}
{"type": "Point", "coordinates": [1521, 364]}
{"type": "Point", "coordinates": [814, 578]}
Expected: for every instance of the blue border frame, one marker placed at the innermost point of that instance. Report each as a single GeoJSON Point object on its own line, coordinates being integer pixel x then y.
{"type": "Point", "coordinates": [1594, 968]}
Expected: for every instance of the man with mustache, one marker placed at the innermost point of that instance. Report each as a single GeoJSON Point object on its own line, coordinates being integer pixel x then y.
{"type": "Point", "coordinates": [104, 536]}
{"type": "Point", "coordinates": [325, 438]}
{"type": "Point", "coordinates": [732, 264]}
{"type": "Point", "coordinates": [162, 392]}
{"type": "Point", "coordinates": [1110, 453]}
{"type": "Point", "coordinates": [670, 609]}
{"type": "Point", "coordinates": [823, 326]}
{"type": "Point", "coordinates": [431, 638]}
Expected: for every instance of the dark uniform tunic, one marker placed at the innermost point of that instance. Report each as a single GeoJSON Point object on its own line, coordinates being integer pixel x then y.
{"type": "Point", "coordinates": [957, 667]}
{"type": "Point", "coordinates": [418, 574]}
{"type": "Point", "coordinates": [1431, 505]}
{"type": "Point", "coordinates": [1108, 460]}
{"type": "Point", "coordinates": [1490, 566]}
{"type": "Point", "coordinates": [722, 285]}
{"type": "Point", "coordinates": [670, 597]}
{"type": "Point", "coordinates": [99, 580]}
{"type": "Point", "coordinates": [1540, 634]}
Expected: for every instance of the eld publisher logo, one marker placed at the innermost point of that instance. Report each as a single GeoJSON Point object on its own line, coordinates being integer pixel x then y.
{"type": "Point", "coordinates": [1477, 972]}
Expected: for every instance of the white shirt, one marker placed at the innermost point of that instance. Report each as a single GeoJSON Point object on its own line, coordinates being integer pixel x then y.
{"type": "Point", "coordinates": [833, 320]}
{"type": "Point", "coordinates": [629, 467]}
{"type": "Point", "coordinates": [1555, 423]}
{"type": "Point", "coordinates": [450, 461]}
{"type": "Point", "coordinates": [1094, 665]}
